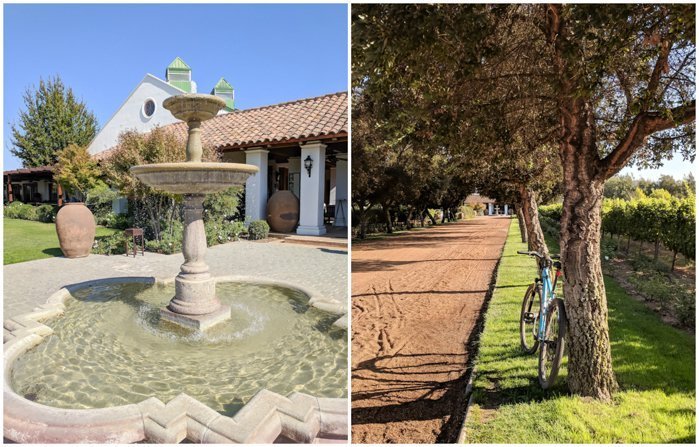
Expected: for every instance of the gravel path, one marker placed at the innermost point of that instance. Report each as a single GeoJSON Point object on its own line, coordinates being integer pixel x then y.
{"type": "Point", "coordinates": [416, 299]}
{"type": "Point", "coordinates": [323, 270]}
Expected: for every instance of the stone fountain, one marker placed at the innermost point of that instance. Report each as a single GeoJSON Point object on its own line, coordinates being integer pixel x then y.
{"type": "Point", "coordinates": [195, 305]}
{"type": "Point", "coordinates": [112, 371]}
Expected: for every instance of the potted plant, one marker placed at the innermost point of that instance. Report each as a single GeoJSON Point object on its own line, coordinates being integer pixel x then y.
{"type": "Point", "coordinates": [77, 172]}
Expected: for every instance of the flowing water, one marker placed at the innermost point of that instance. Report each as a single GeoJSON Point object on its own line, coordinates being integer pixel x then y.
{"type": "Point", "coordinates": [110, 348]}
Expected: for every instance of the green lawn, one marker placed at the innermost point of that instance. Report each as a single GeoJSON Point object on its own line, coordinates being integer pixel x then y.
{"type": "Point", "coordinates": [653, 362]}
{"type": "Point", "coordinates": [26, 240]}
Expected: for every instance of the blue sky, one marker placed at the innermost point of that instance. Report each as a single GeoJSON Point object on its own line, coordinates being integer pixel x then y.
{"type": "Point", "coordinates": [675, 167]}
{"type": "Point", "coordinates": [269, 53]}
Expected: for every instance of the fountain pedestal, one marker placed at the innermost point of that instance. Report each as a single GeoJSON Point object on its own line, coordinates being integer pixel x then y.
{"type": "Point", "coordinates": [195, 304]}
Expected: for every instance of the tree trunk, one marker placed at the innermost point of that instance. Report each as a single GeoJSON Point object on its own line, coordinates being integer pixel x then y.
{"type": "Point", "coordinates": [590, 370]}
{"type": "Point", "coordinates": [408, 220]}
{"type": "Point", "coordinates": [530, 210]}
{"type": "Point", "coordinates": [362, 215]}
{"type": "Point", "coordinates": [522, 223]}
{"type": "Point", "coordinates": [657, 251]}
{"type": "Point", "coordinates": [674, 259]}
{"type": "Point", "coordinates": [427, 211]}
{"type": "Point", "coordinates": [389, 224]}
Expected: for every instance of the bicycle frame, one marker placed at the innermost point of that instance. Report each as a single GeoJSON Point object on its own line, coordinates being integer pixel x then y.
{"type": "Point", "coordinates": [548, 293]}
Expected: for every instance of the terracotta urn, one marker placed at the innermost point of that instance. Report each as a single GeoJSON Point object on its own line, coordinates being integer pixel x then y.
{"type": "Point", "coordinates": [283, 211]}
{"type": "Point", "coordinates": [75, 226]}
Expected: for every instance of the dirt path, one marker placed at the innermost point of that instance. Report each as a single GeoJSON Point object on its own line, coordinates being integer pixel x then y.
{"type": "Point", "coordinates": [416, 299]}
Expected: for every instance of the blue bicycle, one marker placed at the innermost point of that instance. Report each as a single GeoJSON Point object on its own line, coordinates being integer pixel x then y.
{"type": "Point", "coordinates": [543, 320]}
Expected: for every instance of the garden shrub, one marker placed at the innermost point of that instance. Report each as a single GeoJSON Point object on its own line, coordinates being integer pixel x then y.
{"type": "Point", "coordinates": [608, 248]}
{"type": "Point", "coordinates": [469, 212]}
{"type": "Point", "coordinates": [672, 296]}
{"type": "Point", "coordinates": [46, 213]}
{"type": "Point", "coordinates": [110, 245]}
{"type": "Point", "coordinates": [99, 199]}
{"type": "Point", "coordinates": [553, 212]}
{"type": "Point", "coordinates": [220, 232]}
{"type": "Point", "coordinates": [684, 303]}
{"type": "Point", "coordinates": [258, 229]}
{"type": "Point", "coordinates": [223, 206]}
{"type": "Point", "coordinates": [19, 210]}
{"type": "Point", "coordinates": [166, 246]}
{"type": "Point", "coordinates": [113, 220]}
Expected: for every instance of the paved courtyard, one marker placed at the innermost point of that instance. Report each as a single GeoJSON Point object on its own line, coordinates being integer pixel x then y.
{"type": "Point", "coordinates": [321, 270]}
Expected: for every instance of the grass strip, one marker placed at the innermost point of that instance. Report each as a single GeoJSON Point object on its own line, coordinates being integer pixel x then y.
{"type": "Point", "coordinates": [653, 362]}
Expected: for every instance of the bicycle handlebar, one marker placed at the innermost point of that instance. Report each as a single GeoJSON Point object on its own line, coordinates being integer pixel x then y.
{"type": "Point", "coordinates": [537, 254]}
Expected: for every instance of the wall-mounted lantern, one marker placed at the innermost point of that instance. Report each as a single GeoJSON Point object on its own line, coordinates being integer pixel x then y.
{"type": "Point", "coordinates": [308, 163]}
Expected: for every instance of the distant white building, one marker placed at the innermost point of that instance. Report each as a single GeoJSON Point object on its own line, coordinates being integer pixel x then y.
{"type": "Point", "coordinates": [491, 206]}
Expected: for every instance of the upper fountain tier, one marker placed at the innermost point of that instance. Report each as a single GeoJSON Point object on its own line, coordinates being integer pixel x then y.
{"type": "Point", "coordinates": [193, 176]}
{"type": "Point", "coordinates": [194, 107]}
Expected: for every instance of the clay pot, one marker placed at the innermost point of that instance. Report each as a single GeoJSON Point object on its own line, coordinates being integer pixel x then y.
{"type": "Point", "coordinates": [283, 211]}
{"type": "Point", "coordinates": [75, 226]}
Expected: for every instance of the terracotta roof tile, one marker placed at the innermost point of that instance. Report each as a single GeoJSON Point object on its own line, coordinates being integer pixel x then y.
{"type": "Point", "coordinates": [37, 170]}
{"type": "Point", "coordinates": [318, 118]}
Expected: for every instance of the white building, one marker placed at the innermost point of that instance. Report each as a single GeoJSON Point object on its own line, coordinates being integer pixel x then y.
{"type": "Point", "coordinates": [299, 146]}
{"type": "Point", "coordinates": [143, 109]}
{"type": "Point", "coordinates": [491, 206]}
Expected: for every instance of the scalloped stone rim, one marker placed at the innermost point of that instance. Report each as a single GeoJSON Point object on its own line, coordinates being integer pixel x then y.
{"type": "Point", "coordinates": [267, 417]}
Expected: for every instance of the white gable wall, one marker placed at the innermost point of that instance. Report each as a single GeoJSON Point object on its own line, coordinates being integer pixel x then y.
{"type": "Point", "coordinates": [130, 115]}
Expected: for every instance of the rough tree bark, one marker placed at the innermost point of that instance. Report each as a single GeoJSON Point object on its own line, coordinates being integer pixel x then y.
{"type": "Point", "coordinates": [590, 370]}
{"type": "Point", "coordinates": [522, 223]}
{"type": "Point", "coordinates": [530, 211]}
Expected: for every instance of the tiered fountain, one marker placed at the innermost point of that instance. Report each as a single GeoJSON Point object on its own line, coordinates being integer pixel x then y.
{"type": "Point", "coordinates": [195, 304]}
{"type": "Point", "coordinates": [104, 368]}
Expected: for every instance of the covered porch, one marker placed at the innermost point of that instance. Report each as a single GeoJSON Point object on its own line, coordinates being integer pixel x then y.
{"type": "Point", "coordinates": [32, 185]}
{"type": "Point", "coordinates": [315, 171]}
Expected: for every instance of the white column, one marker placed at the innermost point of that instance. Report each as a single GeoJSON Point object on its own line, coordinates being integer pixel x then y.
{"type": "Point", "coordinates": [506, 210]}
{"type": "Point", "coordinates": [312, 188]}
{"type": "Point", "coordinates": [333, 191]}
{"type": "Point", "coordinates": [256, 186]}
{"type": "Point", "coordinates": [490, 209]}
{"type": "Point", "coordinates": [295, 175]}
{"type": "Point", "coordinates": [341, 217]}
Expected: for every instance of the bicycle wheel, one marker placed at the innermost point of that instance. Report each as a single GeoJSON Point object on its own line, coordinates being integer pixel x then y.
{"type": "Point", "coordinates": [529, 320]}
{"type": "Point", "coordinates": [551, 352]}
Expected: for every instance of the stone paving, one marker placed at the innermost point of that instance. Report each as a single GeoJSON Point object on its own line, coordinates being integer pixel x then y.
{"type": "Point", "coordinates": [317, 269]}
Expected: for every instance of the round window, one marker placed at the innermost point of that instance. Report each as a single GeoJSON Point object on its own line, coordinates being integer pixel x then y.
{"type": "Point", "coordinates": [149, 108]}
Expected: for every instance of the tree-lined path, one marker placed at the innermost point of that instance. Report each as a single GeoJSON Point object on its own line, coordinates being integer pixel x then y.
{"type": "Point", "coordinates": [416, 299]}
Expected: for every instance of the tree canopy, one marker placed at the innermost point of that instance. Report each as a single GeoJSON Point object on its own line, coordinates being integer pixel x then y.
{"type": "Point", "coordinates": [51, 120]}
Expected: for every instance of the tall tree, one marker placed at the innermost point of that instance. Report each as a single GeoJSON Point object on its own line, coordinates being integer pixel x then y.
{"type": "Point", "coordinates": [625, 88]}
{"type": "Point", "coordinates": [51, 120]}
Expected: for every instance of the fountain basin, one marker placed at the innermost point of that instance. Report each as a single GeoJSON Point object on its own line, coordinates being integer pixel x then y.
{"type": "Point", "coordinates": [194, 106]}
{"type": "Point", "coordinates": [307, 418]}
{"type": "Point", "coordinates": [193, 177]}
